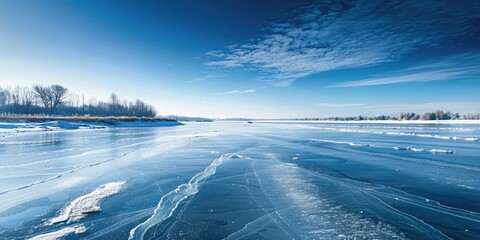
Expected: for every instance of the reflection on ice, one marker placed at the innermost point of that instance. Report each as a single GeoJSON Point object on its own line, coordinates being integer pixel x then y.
{"type": "Point", "coordinates": [312, 214]}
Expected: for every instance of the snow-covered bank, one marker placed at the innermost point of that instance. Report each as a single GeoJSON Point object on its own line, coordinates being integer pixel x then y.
{"type": "Point", "coordinates": [31, 125]}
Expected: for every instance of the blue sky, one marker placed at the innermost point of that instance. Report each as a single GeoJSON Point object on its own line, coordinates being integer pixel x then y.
{"type": "Point", "coordinates": [250, 58]}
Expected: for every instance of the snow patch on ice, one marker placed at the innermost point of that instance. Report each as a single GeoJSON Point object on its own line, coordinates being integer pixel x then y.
{"type": "Point", "coordinates": [409, 149]}
{"type": "Point", "coordinates": [435, 136]}
{"type": "Point", "coordinates": [80, 229]}
{"type": "Point", "coordinates": [435, 150]}
{"type": "Point", "coordinates": [416, 149]}
{"type": "Point", "coordinates": [441, 151]}
{"type": "Point", "coordinates": [86, 204]}
{"type": "Point", "coordinates": [401, 133]}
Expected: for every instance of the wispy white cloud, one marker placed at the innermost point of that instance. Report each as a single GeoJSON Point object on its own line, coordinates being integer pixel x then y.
{"type": "Point", "coordinates": [453, 67]}
{"type": "Point", "coordinates": [207, 77]}
{"type": "Point", "coordinates": [238, 91]}
{"type": "Point", "coordinates": [349, 34]}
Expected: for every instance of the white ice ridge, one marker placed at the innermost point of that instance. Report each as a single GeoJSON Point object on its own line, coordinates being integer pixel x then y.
{"type": "Point", "coordinates": [435, 150]}
{"type": "Point", "coordinates": [80, 229]}
{"type": "Point", "coordinates": [469, 139]}
{"type": "Point", "coordinates": [409, 149]}
{"type": "Point", "coordinates": [340, 142]}
{"type": "Point", "coordinates": [86, 204]}
{"type": "Point", "coordinates": [169, 202]}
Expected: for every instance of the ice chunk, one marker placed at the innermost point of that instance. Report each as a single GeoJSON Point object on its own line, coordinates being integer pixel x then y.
{"type": "Point", "coordinates": [441, 151]}
{"type": "Point", "coordinates": [87, 204]}
{"type": "Point", "coordinates": [92, 209]}
{"type": "Point", "coordinates": [80, 230]}
{"type": "Point", "coordinates": [415, 149]}
{"type": "Point", "coordinates": [409, 149]}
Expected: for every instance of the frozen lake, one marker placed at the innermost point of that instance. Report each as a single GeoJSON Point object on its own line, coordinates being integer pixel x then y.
{"type": "Point", "coordinates": [234, 180]}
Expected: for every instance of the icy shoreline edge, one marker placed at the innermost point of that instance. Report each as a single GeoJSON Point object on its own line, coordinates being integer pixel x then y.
{"type": "Point", "coordinates": [19, 124]}
{"type": "Point", "coordinates": [433, 122]}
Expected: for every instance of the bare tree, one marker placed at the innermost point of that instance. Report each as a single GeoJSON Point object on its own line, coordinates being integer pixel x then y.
{"type": "Point", "coordinates": [51, 96]}
{"type": "Point", "coordinates": [27, 98]}
{"type": "Point", "coordinates": [16, 99]}
{"type": "Point", "coordinates": [48, 99]}
{"type": "Point", "coordinates": [114, 104]}
{"type": "Point", "coordinates": [44, 94]}
{"type": "Point", "coordinates": [59, 93]}
{"type": "Point", "coordinates": [4, 97]}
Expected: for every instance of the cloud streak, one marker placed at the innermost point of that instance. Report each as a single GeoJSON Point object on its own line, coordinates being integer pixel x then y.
{"type": "Point", "coordinates": [456, 67]}
{"type": "Point", "coordinates": [238, 91]}
{"type": "Point", "coordinates": [348, 34]}
{"type": "Point", "coordinates": [207, 77]}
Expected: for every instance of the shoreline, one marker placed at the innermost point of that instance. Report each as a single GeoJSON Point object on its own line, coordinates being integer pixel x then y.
{"type": "Point", "coordinates": [82, 119]}
{"type": "Point", "coordinates": [433, 122]}
{"type": "Point", "coordinates": [113, 120]}
{"type": "Point", "coordinates": [33, 124]}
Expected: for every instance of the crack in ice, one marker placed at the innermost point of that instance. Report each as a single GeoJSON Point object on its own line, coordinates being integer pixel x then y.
{"type": "Point", "coordinates": [169, 202]}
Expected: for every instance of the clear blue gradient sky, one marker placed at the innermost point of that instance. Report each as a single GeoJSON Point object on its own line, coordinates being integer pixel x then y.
{"type": "Point", "coordinates": [251, 58]}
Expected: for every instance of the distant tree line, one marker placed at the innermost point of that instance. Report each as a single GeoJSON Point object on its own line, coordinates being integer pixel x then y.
{"type": "Point", "coordinates": [188, 119]}
{"type": "Point", "coordinates": [438, 115]}
{"type": "Point", "coordinates": [404, 116]}
{"type": "Point", "coordinates": [56, 100]}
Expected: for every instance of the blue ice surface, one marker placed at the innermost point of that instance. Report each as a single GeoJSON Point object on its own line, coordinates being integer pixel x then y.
{"type": "Point", "coordinates": [233, 180]}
